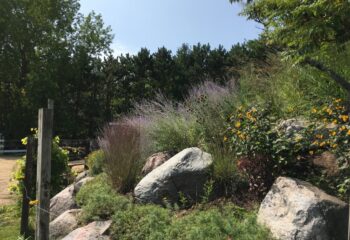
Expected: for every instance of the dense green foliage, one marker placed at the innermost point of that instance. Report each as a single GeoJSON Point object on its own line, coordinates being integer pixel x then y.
{"type": "Point", "coordinates": [60, 172]}
{"type": "Point", "coordinates": [311, 32]}
{"type": "Point", "coordinates": [99, 201]}
{"type": "Point", "coordinates": [134, 221]}
{"type": "Point", "coordinates": [62, 55]}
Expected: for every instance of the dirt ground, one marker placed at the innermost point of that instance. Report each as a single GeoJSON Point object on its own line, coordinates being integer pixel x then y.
{"type": "Point", "coordinates": [7, 164]}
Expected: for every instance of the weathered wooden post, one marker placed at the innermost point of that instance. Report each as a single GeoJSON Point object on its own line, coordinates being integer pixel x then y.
{"type": "Point", "coordinates": [45, 123]}
{"type": "Point", "coordinates": [28, 183]}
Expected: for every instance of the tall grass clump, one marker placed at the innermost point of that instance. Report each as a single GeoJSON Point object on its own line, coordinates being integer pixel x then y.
{"type": "Point", "coordinates": [170, 126]}
{"type": "Point", "coordinates": [196, 122]}
{"type": "Point", "coordinates": [121, 144]}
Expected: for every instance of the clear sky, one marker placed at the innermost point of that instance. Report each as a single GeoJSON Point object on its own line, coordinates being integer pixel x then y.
{"type": "Point", "coordinates": [169, 23]}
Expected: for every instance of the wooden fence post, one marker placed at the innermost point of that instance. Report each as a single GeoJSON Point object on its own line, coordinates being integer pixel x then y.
{"type": "Point", "coordinates": [28, 183]}
{"type": "Point", "coordinates": [45, 123]}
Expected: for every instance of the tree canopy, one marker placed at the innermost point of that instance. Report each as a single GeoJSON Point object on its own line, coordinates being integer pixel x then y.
{"type": "Point", "coordinates": [310, 32]}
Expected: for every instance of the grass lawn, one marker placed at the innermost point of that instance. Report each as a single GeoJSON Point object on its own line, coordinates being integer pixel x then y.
{"type": "Point", "coordinates": [9, 222]}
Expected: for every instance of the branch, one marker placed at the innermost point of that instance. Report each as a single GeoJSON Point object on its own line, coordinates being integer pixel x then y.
{"type": "Point", "coordinates": [335, 76]}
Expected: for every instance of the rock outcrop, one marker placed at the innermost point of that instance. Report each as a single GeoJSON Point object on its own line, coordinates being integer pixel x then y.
{"type": "Point", "coordinates": [92, 231]}
{"type": "Point", "coordinates": [64, 200]}
{"type": "Point", "coordinates": [186, 172]}
{"type": "Point", "coordinates": [155, 160]}
{"type": "Point", "coordinates": [297, 210]}
{"type": "Point", "coordinates": [64, 224]}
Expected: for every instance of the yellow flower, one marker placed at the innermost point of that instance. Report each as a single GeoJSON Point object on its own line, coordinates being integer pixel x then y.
{"type": "Point", "coordinates": [249, 115]}
{"type": "Point", "coordinates": [333, 133]}
{"type": "Point", "coordinates": [335, 121]}
{"type": "Point", "coordinates": [33, 202]}
{"type": "Point", "coordinates": [329, 111]}
{"type": "Point", "coordinates": [322, 144]}
{"type": "Point", "coordinates": [298, 138]}
{"type": "Point", "coordinates": [338, 100]}
{"type": "Point", "coordinates": [348, 133]}
{"type": "Point", "coordinates": [24, 141]}
{"type": "Point", "coordinates": [241, 136]}
{"type": "Point", "coordinates": [311, 152]}
{"type": "Point", "coordinates": [314, 143]}
{"type": "Point", "coordinates": [237, 124]}
{"type": "Point", "coordinates": [342, 128]}
{"type": "Point", "coordinates": [319, 136]}
{"type": "Point", "coordinates": [334, 145]}
{"type": "Point", "coordinates": [225, 138]}
{"type": "Point", "coordinates": [314, 110]}
{"type": "Point", "coordinates": [344, 117]}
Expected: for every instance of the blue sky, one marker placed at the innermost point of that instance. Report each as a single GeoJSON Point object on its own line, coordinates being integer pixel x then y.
{"type": "Point", "coordinates": [169, 23]}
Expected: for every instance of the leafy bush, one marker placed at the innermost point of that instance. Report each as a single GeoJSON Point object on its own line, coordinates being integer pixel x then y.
{"type": "Point", "coordinates": [120, 143]}
{"type": "Point", "coordinates": [60, 171]}
{"type": "Point", "coordinates": [250, 136]}
{"type": "Point", "coordinates": [99, 201]}
{"type": "Point", "coordinates": [265, 152]}
{"type": "Point", "coordinates": [95, 162]}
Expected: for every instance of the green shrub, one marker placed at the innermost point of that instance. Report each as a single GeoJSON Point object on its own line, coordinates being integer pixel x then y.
{"type": "Point", "coordinates": [141, 222]}
{"type": "Point", "coordinates": [95, 162]}
{"type": "Point", "coordinates": [228, 222]}
{"type": "Point", "coordinates": [99, 201]}
{"type": "Point", "coordinates": [60, 171]}
{"type": "Point", "coordinates": [154, 222]}
{"type": "Point", "coordinates": [121, 144]}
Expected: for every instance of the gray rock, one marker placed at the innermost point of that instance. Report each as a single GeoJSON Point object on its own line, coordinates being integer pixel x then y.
{"type": "Point", "coordinates": [92, 231]}
{"type": "Point", "coordinates": [64, 200]}
{"type": "Point", "coordinates": [186, 172]}
{"type": "Point", "coordinates": [155, 160]}
{"type": "Point", "coordinates": [64, 224]}
{"type": "Point", "coordinates": [82, 175]}
{"type": "Point", "coordinates": [297, 210]}
{"type": "Point", "coordinates": [81, 183]}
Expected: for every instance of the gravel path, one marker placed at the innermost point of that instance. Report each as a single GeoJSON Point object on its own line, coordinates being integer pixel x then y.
{"type": "Point", "coordinates": [7, 164]}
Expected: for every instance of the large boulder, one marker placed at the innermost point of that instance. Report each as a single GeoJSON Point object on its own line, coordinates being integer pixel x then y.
{"type": "Point", "coordinates": [64, 200]}
{"type": "Point", "coordinates": [155, 160]}
{"type": "Point", "coordinates": [92, 231]}
{"type": "Point", "coordinates": [82, 175]}
{"type": "Point", "coordinates": [64, 224]}
{"type": "Point", "coordinates": [297, 210]}
{"type": "Point", "coordinates": [186, 172]}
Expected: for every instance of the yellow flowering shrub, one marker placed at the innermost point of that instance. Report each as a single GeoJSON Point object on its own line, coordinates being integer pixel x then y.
{"type": "Point", "coordinates": [59, 169]}
{"type": "Point", "coordinates": [264, 152]}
